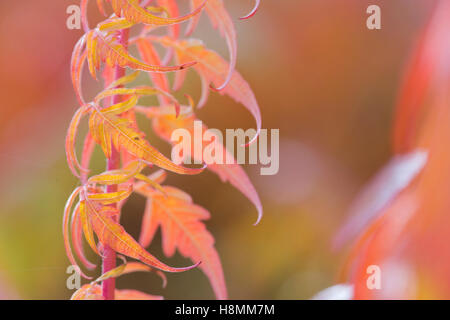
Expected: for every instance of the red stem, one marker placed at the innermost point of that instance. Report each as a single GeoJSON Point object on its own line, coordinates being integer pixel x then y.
{"type": "Point", "coordinates": [112, 163]}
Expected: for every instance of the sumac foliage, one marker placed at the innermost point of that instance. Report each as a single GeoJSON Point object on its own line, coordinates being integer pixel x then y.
{"type": "Point", "coordinates": [93, 210]}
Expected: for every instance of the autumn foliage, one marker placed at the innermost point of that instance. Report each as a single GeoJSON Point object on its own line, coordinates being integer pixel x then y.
{"type": "Point", "coordinates": [93, 209]}
{"type": "Point", "coordinates": [406, 231]}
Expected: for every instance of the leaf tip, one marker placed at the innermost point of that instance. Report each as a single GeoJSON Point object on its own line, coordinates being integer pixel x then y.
{"type": "Point", "coordinates": [253, 140]}
{"type": "Point", "coordinates": [253, 12]}
{"type": "Point", "coordinates": [187, 65]}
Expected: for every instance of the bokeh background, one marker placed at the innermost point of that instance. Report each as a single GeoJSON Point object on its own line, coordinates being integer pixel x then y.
{"type": "Point", "coordinates": [321, 77]}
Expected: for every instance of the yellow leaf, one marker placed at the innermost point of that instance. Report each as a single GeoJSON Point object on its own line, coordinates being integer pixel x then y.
{"type": "Point", "coordinates": [110, 197]}
{"type": "Point", "coordinates": [125, 136]}
{"type": "Point", "coordinates": [114, 24]}
{"type": "Point", "coordinates": [106, 47]}
{"type": "Point", "coordinates": [118, 176]}
{"type": "Point", "coordinates": [87, 226]}
{"type": "Point", "coordinates": [112, 234]}
{"type": "Point", "coordinates": [125, 79]}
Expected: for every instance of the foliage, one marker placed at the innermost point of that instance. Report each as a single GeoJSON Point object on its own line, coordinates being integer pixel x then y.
{"type": "Point", "coordinates": [404, 229]}
{"type": "Point", "coordinates": [93, 210]}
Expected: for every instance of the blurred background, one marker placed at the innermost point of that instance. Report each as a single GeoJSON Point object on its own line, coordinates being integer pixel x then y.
{"type": "Point", "coordinates": [320, 76]}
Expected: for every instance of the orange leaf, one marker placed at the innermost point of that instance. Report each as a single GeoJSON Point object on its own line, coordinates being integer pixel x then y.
{"type": "Point", "coordinates": [213, 69]}
{"type": "Point", "coordinates": [132, 11]}
{"type": "Point", "coordinates": [253, 12]}
{"type": "Point", "coordinates": [172, 9]}
{"type": "Point", "coordinates": [220, 19]}
{"type": "Point", "coordinates": [72, 160]}
{"type": "Point", "coordinates": [431, 53]}
{"type": "Point", "coordinates": [66, 220]}
{"type": "Point", "coordinates": [118, 176]}
{"type": "Point", "coordinates": [164, 124]}
{"type": "Point", "coordinates": [130, 267]}
{"type": "Point", "coordinates": [411, 232]}
{"type": "Point", "coordinates": [181, 226]}
{"type": "Point", "coordinates": [79, 56]}
{"type": "Point", "coordinates": [90, 291]}
{"type": "Point", "coordinates": [150, 56]}
{"type": "Point", "coordinates": [380, 192]}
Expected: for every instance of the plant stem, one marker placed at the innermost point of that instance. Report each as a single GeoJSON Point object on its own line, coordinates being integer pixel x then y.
{"type": "Point", "coordinates": [113, 163]}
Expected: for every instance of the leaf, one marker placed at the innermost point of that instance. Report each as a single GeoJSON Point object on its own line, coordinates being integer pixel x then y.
{"type": "Point", "coordinates": [213, 69]}
{"type": "Point", "coordinates": [114, 25]}
{"type": "Point", "coordinates": [106, 47]}
{"type": "Point", "coordinates": [164, 124]}
{"type": "Point", "coordinates": [138, 91]}
{"type": "Point", "coordinates": [101, 7]}
{"type": "Point", "coordinates": [90, 291]}
{"type": "Point", "coordinates": [87, 226]}
{"type": "Point", "coordinates": [93, 49]}
{"type": "Point", "coordinates": [182, 229]}
{"type": "Point", "coordinates": [112, 234]}
{"type": "Point", "coordinates": [66, 219]}
{"type": "Point", "coordinates": [113, 273]}
{"type": "Point", "coordinates": [157, 177]}
{"type": "Point", "coordinates": [432, 53]}
{"type": "Point", "coordinates": [121, 107]}
{"type": "Point", "coordinates": [411, 232]}
{"type": "Point", "coordinates": [380, 192]}
{"type": "Point", "coordinates": [118, 176]}
{"type": "Point", "coordinates": [381, 242]}
{"type": "Point", "coordinates": [107, 127]}
{"type": "Point", "coordinates": [124, 80]}
{"type": "Point", "coordinates": [77, 61]}
{"type": "Point", "coordinates": [77, 238]}
{"type": "Point", "coordinates": [132, 11]}
{"type": "Point", "coordinates": [173, 11]}
{"type": "Point", "coordinates": [150, 182]}
{"type": "Point", "coordinates": [84, 20]}
{"type": "Point", "coordinates": [88, 150]}
{"type": "Point", "coordinates": [150, 56]}
{"type": "Point", "coordinates": [253, 12]}
{"type": "Point", "coordinates": [194, 21]}
{"type": "Point", "coordinates": [123, 269]}
{"type": "Point", "coordinates": [221, 19]}
{"type": "Point", "coordinates": [72, 160]}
